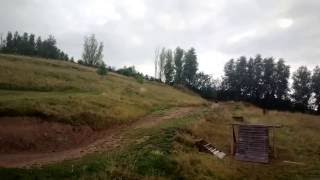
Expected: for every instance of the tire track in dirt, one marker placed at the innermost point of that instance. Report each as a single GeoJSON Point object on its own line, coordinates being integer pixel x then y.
{"type": "Point", "coordinates": [110, 139]}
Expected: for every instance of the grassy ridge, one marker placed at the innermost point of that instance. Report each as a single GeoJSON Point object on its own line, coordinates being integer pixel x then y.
{"type": "Point", "coordinates": [75, 94]}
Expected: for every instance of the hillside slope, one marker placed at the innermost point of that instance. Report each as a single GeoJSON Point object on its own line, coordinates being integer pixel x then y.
{"type": "Point", "coordinates": [67, 92]}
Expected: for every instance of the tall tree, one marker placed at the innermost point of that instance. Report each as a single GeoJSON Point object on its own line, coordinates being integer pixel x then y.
{"type": "Point", "coordinates": [204, 85]}
{"type": "Point", "coordinates": [92, 51]}
{"type": "Point", "coordinates": [190, 66]}
{"type": "Point", "coordinates": [169, 68]}
{"type": "Point", "coordinates": [282, 73]}
{"type": "Point", "coordinates": [50, 49]}
{"type": "Point", "coordinates": [250, 81]}
{"type": "Point", "coordinates": [242, 78]}
{"type": "Point", "coordinates": [16, 41]}
{"type": "Point", "coordinates": [178, 62]}
{"type": "Point", "coordinates": [1, 43]}
{"type": "Point", "coordinates": [257, 78]}
{"type": "Point", "coordinates": [9, 48]}
{"type": "Point", "coordinates": [32, 45]}
{"type": "Point", "coordinates": [23, 47]}
{"type": "Point", "coordinates": [156, 62]}
{"type": "Point", "coordinates": [301, 88]}
{"type": "Point", "coordinates": [38, 46]}
{"type": "Point", "coordinates": [229, 81]}
{"type": "Point", "coordinates": [268, 81]}
{"type": "Point", "coordinates": [162, 61]}
{"type": "Point", "coordinates": [316, 86]}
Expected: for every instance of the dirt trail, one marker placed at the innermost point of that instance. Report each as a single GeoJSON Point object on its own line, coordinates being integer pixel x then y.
{"type": "Point", "coordinates": [108, 139]}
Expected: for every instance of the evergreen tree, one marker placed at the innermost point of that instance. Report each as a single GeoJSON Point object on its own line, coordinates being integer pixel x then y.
{"type": "Point", "coordinates": [26, 45]}
{"type": "Point", "coordinates": [316, 87]}
{"type": "Point", "coordinates": [169, 68]}
{"type": "Point", "coordinates": [178, 62]}
{"type": "Point", "coordinates": [190, 67]}
{"type": "Point", "coordinates": [301, 88]}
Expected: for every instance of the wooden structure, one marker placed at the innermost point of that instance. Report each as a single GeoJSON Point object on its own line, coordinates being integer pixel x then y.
{"type": "Point", "coordinates": [204, 146]}
{"type": "Point", "coordinates": [253, 142]}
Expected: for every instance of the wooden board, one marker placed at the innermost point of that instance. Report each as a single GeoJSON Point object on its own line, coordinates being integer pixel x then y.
{"type": "Point", "coordinates": [204, 146]}
{"type": "Point", "coordinates": [253, 143]}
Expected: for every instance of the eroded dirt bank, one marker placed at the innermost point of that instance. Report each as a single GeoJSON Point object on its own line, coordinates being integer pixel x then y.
{"type": "Point", "coordinates": [26, 141]}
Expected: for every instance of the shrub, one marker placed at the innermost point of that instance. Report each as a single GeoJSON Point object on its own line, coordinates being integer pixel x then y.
{"type": "Point", "coordinates": [102, 69]}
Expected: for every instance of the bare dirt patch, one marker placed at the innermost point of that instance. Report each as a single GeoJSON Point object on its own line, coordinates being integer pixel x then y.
{"type": "Point", "coordinates": [28, 134]}
{"type": "Point", "coordinates": [27, 142]}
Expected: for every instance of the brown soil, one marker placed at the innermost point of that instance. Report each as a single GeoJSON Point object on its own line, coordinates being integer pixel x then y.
{"type": "Point", "coordinates": [26, 142]}
{"type": "Point", "coordinates": [26, 134]}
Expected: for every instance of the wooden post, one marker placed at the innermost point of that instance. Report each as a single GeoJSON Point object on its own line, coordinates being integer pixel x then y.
{"type": "Point", "coordinates": [232, 140]}
{"type": "Point", "coordinates": [274, 143]}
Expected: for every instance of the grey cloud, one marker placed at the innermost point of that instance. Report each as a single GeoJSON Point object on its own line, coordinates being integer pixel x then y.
{"type": "Point", "coordinates": [132, 29]}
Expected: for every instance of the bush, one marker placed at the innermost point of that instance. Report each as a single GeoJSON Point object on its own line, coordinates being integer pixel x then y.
{"type": "Point", "coordinates": [102, 69]}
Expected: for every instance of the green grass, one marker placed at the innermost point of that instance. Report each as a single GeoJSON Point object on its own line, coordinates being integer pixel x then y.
{"type": "Point", "coordinates": [67, 92]}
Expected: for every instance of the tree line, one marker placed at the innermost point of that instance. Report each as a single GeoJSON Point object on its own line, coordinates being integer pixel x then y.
{"type": "Point", "coordinates": [262, 81]}
{"type": "Point", "coordinates": [30, 45]}
{"type": "Point", "coordinates": [259, 80]}
{"type": "Point", "coordinates": [265, 81]}
{"type": "Point", "coordinates": [180, 67]}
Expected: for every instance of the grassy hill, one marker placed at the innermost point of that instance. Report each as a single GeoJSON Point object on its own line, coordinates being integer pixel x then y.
{"type": "Point", "coordinates": [68, 92]}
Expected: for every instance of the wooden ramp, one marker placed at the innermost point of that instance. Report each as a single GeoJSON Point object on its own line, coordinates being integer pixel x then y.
{"type": "Point", "coordinates": [253, 144]}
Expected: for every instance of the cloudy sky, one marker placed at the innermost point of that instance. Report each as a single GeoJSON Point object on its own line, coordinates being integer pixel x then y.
{"type": "Point", "coordinates": [132, 29]}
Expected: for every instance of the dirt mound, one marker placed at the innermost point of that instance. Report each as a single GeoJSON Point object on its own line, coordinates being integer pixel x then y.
{"type": "Point", "coordinates": [27, 134]}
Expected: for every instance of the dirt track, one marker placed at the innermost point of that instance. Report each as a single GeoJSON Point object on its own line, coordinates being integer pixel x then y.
{"type": "Point", "coordinates": [102, 141]}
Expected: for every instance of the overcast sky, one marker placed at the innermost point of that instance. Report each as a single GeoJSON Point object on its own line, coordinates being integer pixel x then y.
{"type": "Point", "coordinates": [132, 29]}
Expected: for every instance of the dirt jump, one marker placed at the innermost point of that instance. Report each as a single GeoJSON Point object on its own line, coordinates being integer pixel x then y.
{"type": "Point", "coordinates": [27, 141]}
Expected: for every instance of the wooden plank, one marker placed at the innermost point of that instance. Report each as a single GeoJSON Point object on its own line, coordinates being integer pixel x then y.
{"type": "Point", "coordinates": [204, 146]}
{"type": "Point", "coordinates": [258, 125]}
